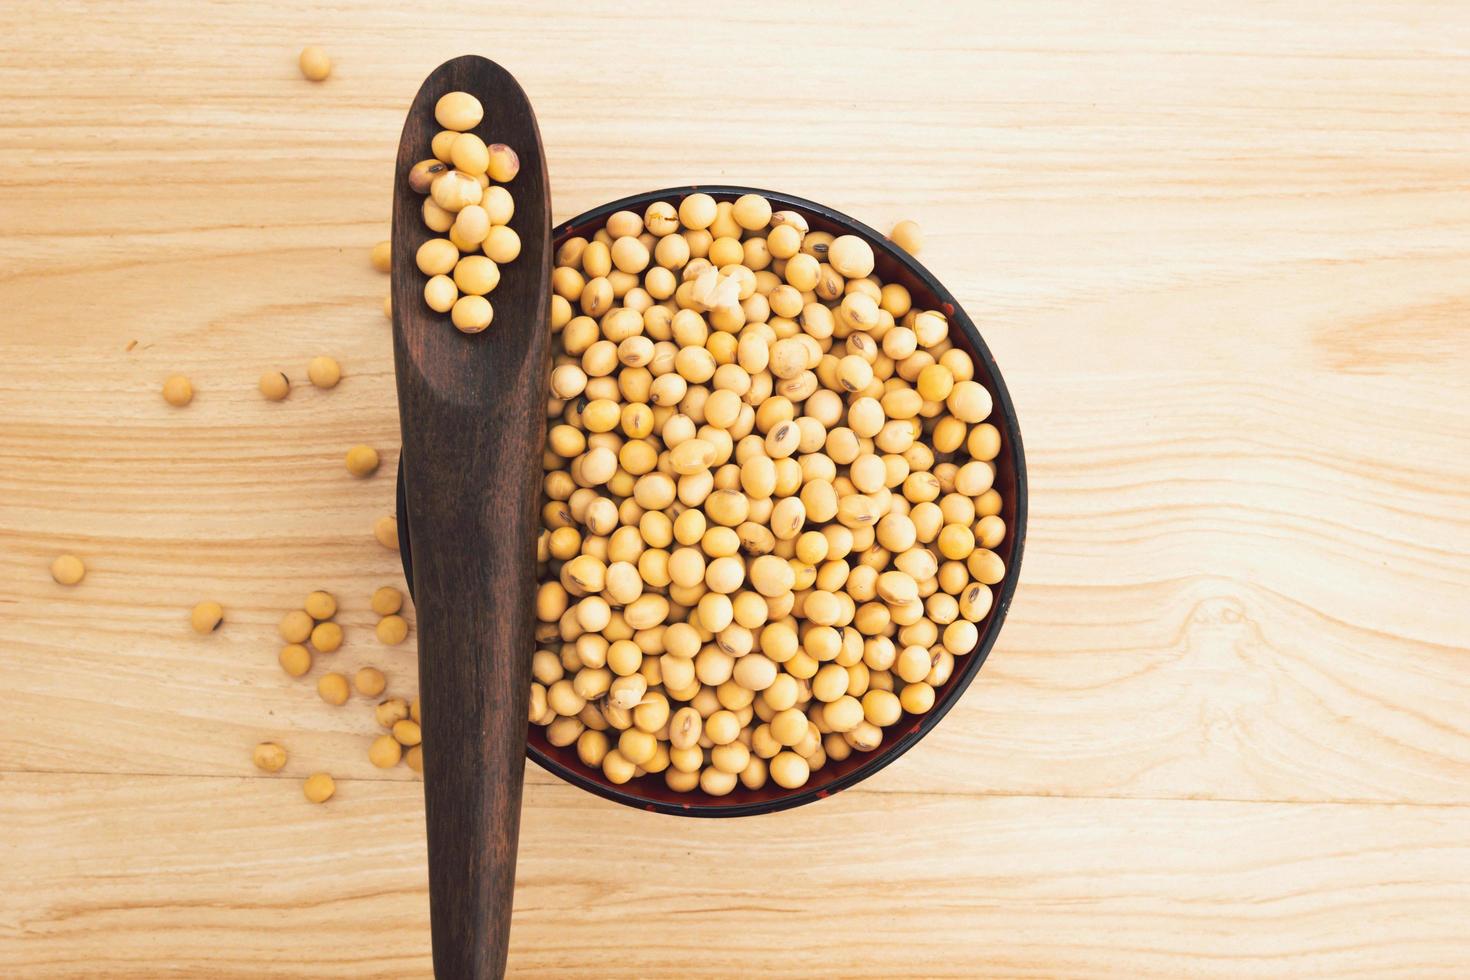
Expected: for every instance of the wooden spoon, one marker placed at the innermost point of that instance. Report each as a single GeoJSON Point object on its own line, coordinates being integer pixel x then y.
{"type": "Point", "coordinates": [473, 414]}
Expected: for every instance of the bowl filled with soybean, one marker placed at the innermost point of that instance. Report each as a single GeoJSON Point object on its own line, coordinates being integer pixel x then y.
{"type": "Point", "coordinates": [784, 503]}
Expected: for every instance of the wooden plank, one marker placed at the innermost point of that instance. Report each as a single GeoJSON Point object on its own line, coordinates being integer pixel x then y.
{"type": "Point", "coordinates": [1238, 359]}
{"type": "Point", "coordinates": [1204, 700]}
{"type": "Point", "coordinates": [1221, 258]}
{"type": "Point", "coordinates": [246, 879]}
{"type": "Point", "coordinates": [1295, 632]}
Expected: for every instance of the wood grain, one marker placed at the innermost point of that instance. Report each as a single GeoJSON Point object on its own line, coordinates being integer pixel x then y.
{"type": "Point", "coordinates": [1221, 256]}
{"type": "Point", "coordinates": [864, 885]}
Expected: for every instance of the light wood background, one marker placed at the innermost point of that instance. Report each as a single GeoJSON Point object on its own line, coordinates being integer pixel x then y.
{"type": "Point", "coordinates": [1222, 253]}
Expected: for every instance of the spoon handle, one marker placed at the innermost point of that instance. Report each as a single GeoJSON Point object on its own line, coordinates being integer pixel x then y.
{"type": "Point", "coordinates": [473, 558]}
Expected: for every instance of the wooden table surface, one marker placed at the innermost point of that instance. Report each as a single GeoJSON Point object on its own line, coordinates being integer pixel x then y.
{"type": "Point", "coordinates": [1222, 253]}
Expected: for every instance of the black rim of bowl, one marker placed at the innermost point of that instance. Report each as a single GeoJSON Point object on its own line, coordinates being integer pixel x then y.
{"type": "Point", "coordinates": [968, 666]}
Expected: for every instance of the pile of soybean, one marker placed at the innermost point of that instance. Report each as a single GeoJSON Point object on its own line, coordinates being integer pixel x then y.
{"type": "Point", "coordinates": [466, 202]}
{"type": "Point", "coordinates": [769, 520]}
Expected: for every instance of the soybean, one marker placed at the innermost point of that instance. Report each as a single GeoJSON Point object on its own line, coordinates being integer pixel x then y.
{"type": "Point", "coordinates": [387, 600]}
{"type": "Point", "coordinates": [362, 461]}
{"type": "Point", "coordinates": [314, 63]}
{"type": "Point", "coordinates": [392, 630]}
{"type": "Point", "coordinates": [68, 570]}
{"type": "Point", "coordinates": [385, 532]}
{"type": "Point", "coordinates": [319, 787]}
{"type": "Point", "coordinates": [369, 682]}
{"type": "Point", "coordinates": [206, 617]}
{"type": "Point", "coordinates": [269, 757]}
{"type": "Point", "coordinates": [177, 391]}
{"type": "Point", "coordinates": [333, 689]}
{"type": "Point", "coordinates": [324, 372]}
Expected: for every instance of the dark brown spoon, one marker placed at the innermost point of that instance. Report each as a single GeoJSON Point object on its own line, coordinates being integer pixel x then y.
{"type": "Point", "coordinates": [472, 411]}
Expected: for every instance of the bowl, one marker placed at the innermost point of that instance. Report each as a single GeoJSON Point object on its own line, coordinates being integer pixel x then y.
{"type": "Point", "coordinates": [892, 265]}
